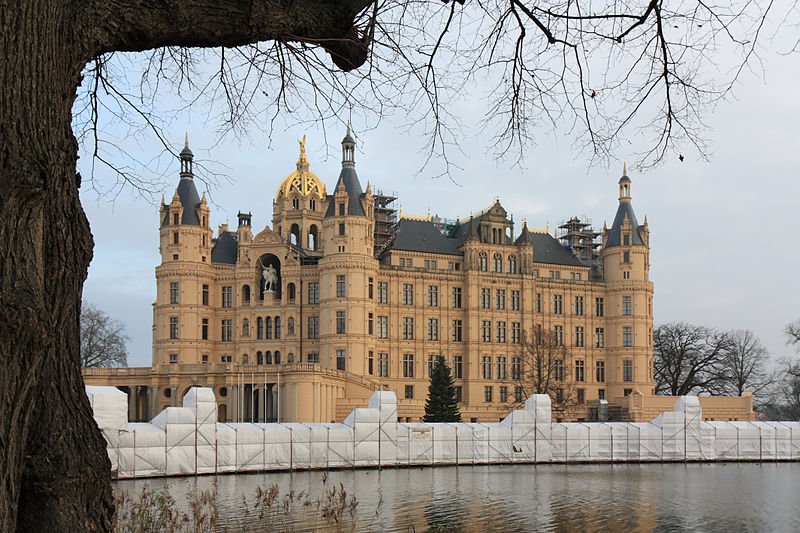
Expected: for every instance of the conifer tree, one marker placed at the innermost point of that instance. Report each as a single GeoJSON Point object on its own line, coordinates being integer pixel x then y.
{"type": "Point", "coordinates": [441, 405]}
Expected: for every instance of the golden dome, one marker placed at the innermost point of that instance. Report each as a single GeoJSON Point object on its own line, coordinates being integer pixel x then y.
{"type": "Point", "coordinates": [302, 181]}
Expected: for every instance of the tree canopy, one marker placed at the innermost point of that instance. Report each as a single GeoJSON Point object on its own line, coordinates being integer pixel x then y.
{"type": "Point", "coordinates": [103, 339]}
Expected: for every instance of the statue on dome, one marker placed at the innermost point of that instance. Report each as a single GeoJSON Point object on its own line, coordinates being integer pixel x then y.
{"type": "Point", "coordinates": [302, 147]}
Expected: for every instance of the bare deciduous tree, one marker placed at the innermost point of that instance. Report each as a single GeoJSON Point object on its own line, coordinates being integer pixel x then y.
{"type": "Point", "coordinates": [744, 365]}
{"type": "Point", "coordinates": [542, 366]}
{"type": "Point", "coordinates": [793, 332]}
{"type": "Point", "coordinates": [688, 359]}
{"type": "Point", "coordinates": [103, 339]}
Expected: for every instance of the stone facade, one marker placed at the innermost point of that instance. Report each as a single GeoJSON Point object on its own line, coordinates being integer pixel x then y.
{"type": "Point", "coordinates": [340, 321]}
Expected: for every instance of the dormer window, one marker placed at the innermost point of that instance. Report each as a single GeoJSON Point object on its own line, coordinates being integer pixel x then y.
{"type": "Point", "coordinates": [341, 209]}
{"type": "Point", "coordinates": [626, 239]}
{"type": "Point", "coordinates": [175, 220]}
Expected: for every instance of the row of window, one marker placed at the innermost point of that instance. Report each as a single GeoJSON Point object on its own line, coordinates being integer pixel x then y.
{"type": "Point", "coordinates": [429, 264]}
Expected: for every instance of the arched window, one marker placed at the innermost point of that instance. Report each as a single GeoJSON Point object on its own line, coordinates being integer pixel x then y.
{"type": "Point", "coordinates": [290, 327]}
{"type": "Point", "coordinates": [483, 262]}
{"type": "Point", "coordinates": [277, 357]}
{"type": "Point", "coordinates": [512, 264]}
{"type": "Point", "coordinates": [277, 327]}
{"type": "Point", "coordinates": [260, 328]}
{"type": "Point", "coordinates": [498, 263]}
{"type": "Point", "coordinates": [295, 203]}
{"type": "Point", "coordinates": [313, 236]}
{"type": "Point", "coordinates": [246, 294]}
{"type": "Point", "coordinates": [245, 328]}
{"type": "Point", "coordinates": [260, 358]}
{"type": "Point", "coordinates": [294, 236]}
{"type": "Point", "coordinates": [312, 204]}
{"type": "Point", "coordinates": [269, 327]}
{"type": "Point", "coordinates": [290, 289]}
{"type": "Point", "coordinates": [268, 357]}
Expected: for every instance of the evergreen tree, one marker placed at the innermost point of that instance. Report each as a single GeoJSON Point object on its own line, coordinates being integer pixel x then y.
{"type": "Point", "coordinates": [442, 405]}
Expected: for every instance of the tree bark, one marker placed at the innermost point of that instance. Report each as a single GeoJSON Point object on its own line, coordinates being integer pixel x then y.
{"type": "Point", "coordinates": [53, 464]}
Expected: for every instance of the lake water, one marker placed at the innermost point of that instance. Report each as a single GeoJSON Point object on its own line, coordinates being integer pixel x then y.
{"type": "Point", "coordinates": [726, 497]}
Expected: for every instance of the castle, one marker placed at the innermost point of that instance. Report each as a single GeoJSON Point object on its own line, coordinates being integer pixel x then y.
{"type": "Point", "coordinates": [305, 320]}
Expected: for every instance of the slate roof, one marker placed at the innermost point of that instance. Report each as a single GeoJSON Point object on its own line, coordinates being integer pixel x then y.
{"type": "Point", "coordinates": [547, 249]}
{"type": "Point", "coordinates": [614, 234]}
{"type": "Point", "coordinates": [349, 177]}
{"type": "Point", "coordinates": [226, 249]}
{"type": "Point", "coordinates": [190, 201]}
{"type": "Point", "coordinates": [421, 236]}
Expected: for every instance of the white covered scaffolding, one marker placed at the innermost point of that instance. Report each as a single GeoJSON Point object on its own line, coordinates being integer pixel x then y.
{"type": "Point", "coordinates": [188, 440]}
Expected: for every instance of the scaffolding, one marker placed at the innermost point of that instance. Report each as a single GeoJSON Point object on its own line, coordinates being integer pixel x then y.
{"type": "Point", "coordinates": [580, 238]}
{"type": "Point", "coordinates": [385, 217]}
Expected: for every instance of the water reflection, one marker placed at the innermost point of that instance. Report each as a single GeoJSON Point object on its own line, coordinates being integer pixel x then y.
{"type": "Point", "coordinates": [654, 497]}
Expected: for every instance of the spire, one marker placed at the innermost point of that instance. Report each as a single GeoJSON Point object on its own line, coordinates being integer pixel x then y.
{"type": "Point", "coordinates": [302, 161]}
{"type": "Point", "coordinates": [625, 185]}
{"type": "Point", "coordinates": [348, 149]}
{"type": "Point", "coordinates": [624, 215]}
{"type": "Point", "coordinates": [524, 235]}
{"type": "Point", "coordinates": [624, 168]}
{"type": "Point", "coordinates": [186, 159]}
{"type": "Point", "coordinates": [348, 180]}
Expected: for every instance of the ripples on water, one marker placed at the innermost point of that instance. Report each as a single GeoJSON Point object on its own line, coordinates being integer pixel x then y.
{"type": "Point", "coordinates": [726, 497]}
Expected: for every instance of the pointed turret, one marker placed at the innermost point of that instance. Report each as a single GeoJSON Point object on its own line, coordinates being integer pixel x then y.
{"type": "Point", "coordinates": [524, 236]}
{"type": "Point", "coordinates": [348, 181]}
{"type": "Point", "coordinates": [186, 192]}
{"type": "Point", "coordinates": [625, 216]}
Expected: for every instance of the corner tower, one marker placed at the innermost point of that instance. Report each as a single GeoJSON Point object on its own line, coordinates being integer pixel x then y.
{"type": "Point", "coordinates": [629, 298]}
{"type": "Point", "coordinates": [348, 271]}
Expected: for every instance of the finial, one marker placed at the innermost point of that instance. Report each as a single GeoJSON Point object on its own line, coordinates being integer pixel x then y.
{"type": "Point", "coordinates": [186, 140]}
{"type": "Point", "coordinates": [348, 128]}
{"type": "Point", "coordinates": [624, 168]}
{"type": "Point", "coordinates": [524, 221]}
{"type": "Point", "coordinates": [429, 213]}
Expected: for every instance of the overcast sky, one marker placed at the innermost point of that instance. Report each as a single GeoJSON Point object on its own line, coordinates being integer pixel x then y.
{"type": "Point", "coordinates": [724, 240]}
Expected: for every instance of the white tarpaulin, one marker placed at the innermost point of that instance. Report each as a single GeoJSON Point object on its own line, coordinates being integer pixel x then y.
{"type": "Point", "coordinates": [188, 440]}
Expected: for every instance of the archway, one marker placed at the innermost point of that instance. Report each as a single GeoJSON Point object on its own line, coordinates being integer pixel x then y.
{"type": "Point", "coordinates": [267, 265]}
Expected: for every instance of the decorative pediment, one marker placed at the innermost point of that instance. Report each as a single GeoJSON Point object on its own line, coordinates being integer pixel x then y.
{"type": "Point", "coordinates": [267, 236]}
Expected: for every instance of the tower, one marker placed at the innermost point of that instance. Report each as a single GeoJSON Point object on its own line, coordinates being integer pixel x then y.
{"type": "Point", "coordinates": [629, 297]}
{"type": "Point", "coordinates": [348, 271]}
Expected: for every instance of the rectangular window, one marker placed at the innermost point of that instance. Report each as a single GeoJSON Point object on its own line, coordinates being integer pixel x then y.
{"type": "Point", "coordinates": [313, 327]}
{"type": "Point", "coordinates": [518, 396]}
{"type": "Point", "coordinates": [383, 365]}
{"type": "Point", "coordinates": [579, 336]}
{"type": "Point", "coordinates": [433, 329]}
{"type": "Point", "coordinates": [515, 301]}
{"type": "Point", "coordinates": [433, 296]}
{"type": "Point", "coordinates": [371, 364]}
{"type": "Point", "coordinates": [456, 331]}
{"type": "Point", "coordinates": [458, 367]}
{"type": "Point", "coordinates": [383, 327]}
{"type": "Point", "coordinates": [558, 304]}
{"type": "Point", "coordinates": [431, 363]}
{"type": "Point", "coordinates": [227, 296]}
{"type": "Point", "coordinates": [408, 294]}
{"type": "Point", "coordinates": [341, 209]}
{"type": "Point", "coordinates": [559, 334]}
{"type": "Point", "coordinates": [370, 289]}
{"type": "Point", "coordinates": [500, 299]}
{"type": "Point", "coordinates": [408, 327]}
{"type": "Point", "coordinates": [579, 305]}
{"type": "Point", "coordinates": [458, 390]}
{"type": "Point", "coordinates": [627, 337]}
{"type": "Point", "coordinates": [486, 331]}
{"type": "Point", "coordinates": [580, 370]}
{"type": "Point", "coordinates": [173, 358]}
{"type": "Point", "coordinates": [516, 368]}
{"type": "Point", "coordinates": [456, 297]}
{"type": "Point", "coordinates": [174, 292]}
{"type": "Point", "coordinates": [627, 306]}
{"type": "Point", "coordinates": [598, 306]}
{"type": "Point", "coordinates": [205, 294]}
{"type": "Point", "coordinates": [555, 274]}
{"type": "Point", "coordinates": [313, 358]}
{"type": "Point", "coordinates": [581, 396]}
{"type": "Point", "coordinates": [430, 264]}
{"type": "Point", "coordinates": [486, 298]}
{"type": "Point", "coordinates": [408, 365]}
{"type": "Point", "coordinates": [538, 302]}
{"type": "Point", "coordinates": [341, 360]}
{"type": "Point", "coordinates": [175, 238]}
{"type": "Point", "coordinates": [369, 324]}
{"type": "Point", "coordinates": [627, 370]}
{"type": "Point", "coordinates": [173, 327]}
{"type": "Point", "coordinates": [341, 228]}
{"type": "Point", "coordinates": [341, 323]}
{"type": "Point", "coordinates": [501, 331]}
{"type": "Point", "coordinates": [227, 330]}
{"type": "Point", "coordinates": [626, 274]}
{"type": "Point", "coordinates": [576, 276]}
{"type": "Point", "coordinates": [600, 371]}
{"type": "Point", "coordinates": [503, 394]}
{"type": "Point", "coordinates": [516, 332]}
{"type": "Point", "coordinates": [341, 287]}
{"type": "Point", "coordinates": [487, 394]}
{"type": "Point", "coordinates": [226, 358]}
{"type": "Point", "coordinates": [599, 337]}
{"type": "Point", "coordinates": [501, 367]}
{"type": "Point", "coordinates": [487, 367]}
{"type": "Point", "coordinates": [601, 394]}
{"type": "Point", "coordinates": [383, 292]}
{"type": "Point", "coordinates": [558, 370]}
{"type": "Point", "coordinates": [204, 329]}
{"type": "Point", "coordinates": [626, 257]}
{"type": "Point", "coordinates": [313, 292]}
{"type": "Point", "coordinates": [204, 358]}
{"type": "Point", "coordinates": [409, 392]}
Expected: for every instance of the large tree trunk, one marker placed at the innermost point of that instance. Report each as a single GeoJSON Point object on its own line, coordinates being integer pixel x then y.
{"type": "Point", "coordinates": [53, 463]}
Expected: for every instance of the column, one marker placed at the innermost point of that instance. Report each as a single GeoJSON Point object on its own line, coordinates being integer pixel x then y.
{"type": "Point", "coordinates": [132, 398]}
{"type": "Point", "coordinates": [152, 394]}
{"type": "Point", "coordinates": [233, 404]}
{"type": "Point", "coordinates": [173, 395]}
